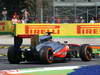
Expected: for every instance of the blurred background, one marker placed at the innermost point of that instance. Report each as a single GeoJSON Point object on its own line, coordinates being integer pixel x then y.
{"type": "Point", "coordinates": [68, 11]}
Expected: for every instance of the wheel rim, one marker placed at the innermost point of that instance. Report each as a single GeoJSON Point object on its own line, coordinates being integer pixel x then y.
{"type": "Point", "coordinates": [89, 54]}
{"type": "Point", "coordinates": [50, 56]}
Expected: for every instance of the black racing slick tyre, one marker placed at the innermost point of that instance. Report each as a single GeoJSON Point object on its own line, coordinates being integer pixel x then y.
{"type": "Point", "coordinates": [85, 52]}
{"type": "Point", "coordinates": [46, 55]}
{"type": "Point", "coordinates": [14, 55]}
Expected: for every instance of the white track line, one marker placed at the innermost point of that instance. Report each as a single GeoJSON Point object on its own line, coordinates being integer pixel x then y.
{"type": "Point", "coordinates": [42, 69]}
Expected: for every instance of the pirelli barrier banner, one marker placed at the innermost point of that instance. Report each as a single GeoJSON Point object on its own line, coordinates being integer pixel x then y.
{"type": "Point", "coordinates": [5, 26]}
{"type": "Point", "coordinates": [60, 30]}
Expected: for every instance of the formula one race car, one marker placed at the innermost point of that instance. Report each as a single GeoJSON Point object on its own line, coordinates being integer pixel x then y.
{"type": "Point", "coordinates": [45, 50]}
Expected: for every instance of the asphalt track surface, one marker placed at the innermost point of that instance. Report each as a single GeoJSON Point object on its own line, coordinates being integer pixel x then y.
{"type": "Point", "coordinates": [8, 40]}
{"type": "Point", "coordinates": [4, 64]}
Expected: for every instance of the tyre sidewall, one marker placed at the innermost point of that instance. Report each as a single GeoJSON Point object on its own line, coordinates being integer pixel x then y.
{"type": "Point", "coordinates": [83, 52]}
{"type": "Point", "coordinates": [14, 55]}
{"type": "Point", "coordinates": [44, 54]}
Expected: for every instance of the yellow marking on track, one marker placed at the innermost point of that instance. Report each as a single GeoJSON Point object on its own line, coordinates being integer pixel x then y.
{"type": "Point", "coordinates": [1, 47]}
{"type": "Point", "coordinates": [3, 54]}
{"type": "Point", "coordinates": [24, 47]}
{"type": "Point", "coordinates": [5, 47]}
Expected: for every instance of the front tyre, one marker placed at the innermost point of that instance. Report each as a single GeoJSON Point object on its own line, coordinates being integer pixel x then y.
{"type": "Point", "coordinates": [85, 52]}
{"type": "Point", "coordinates": [46, 55]}
{"type": "Point", "coordinates": [14, 55]}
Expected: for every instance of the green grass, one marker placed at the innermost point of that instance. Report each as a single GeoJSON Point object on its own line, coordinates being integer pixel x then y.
{"type": "Point", "coordinates": [54, 72]}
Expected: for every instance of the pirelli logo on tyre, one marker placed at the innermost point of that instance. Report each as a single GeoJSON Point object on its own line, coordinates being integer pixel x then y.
{"type": "Point", "coordinates": [88, 29]}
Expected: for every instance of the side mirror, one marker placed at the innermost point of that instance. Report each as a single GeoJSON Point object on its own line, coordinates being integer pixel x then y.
{"type": "Point", "coordinates": [49, 33]}
{"type": "Point", "coordinates": [65, 42]}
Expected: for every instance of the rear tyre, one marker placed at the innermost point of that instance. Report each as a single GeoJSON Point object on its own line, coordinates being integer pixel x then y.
{"type": "Point", "coordinates": [46, 55]}
{"type": "Point", "coordinates": [14, 55]}
{"type": "Point", "coordinates": [85, 52]}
